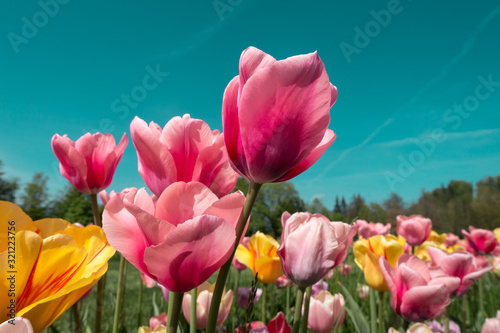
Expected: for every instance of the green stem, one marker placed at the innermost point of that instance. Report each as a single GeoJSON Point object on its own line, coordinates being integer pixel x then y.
{"type": "Point", "coordinates": [381, 312]}
{"type": "Point", "coordinates": [298, 308]}
{"type": "Point", "coordinates": [447, 320]}
{"type": "Point", "coordinates": [287, 308]}
{"type": "Point", "coordinates": [305, 316]}
{"type": "Point", "coordinates": [139, 304]}
{"type": "Point", "coordinates": [264, 298]}
{"type": "Point", "coordinates": [373, 311]}
{"type": "Point", "coordinates": [406, 324]}
{"type": "Point", "coordinates": [235, 296]}
{"type": "Point", "coordinates": [76, 317]}
{"type": "Point", "coordinates": [192, 322]}
{"type": "Point", "coordinates": [170, 305]}
{"type": "Point", "coordinates": [464, 313]}
{"type": "Point", "coordinates": [253, 190]}
{"type": "Point", "coordinates": [102, 282]}
{"type": "Point", "coordinates": [119, 294]}
{"type": "Point", "coordinates": [481, 298]}
{"type": "Point", "coordinates": [174, 311]}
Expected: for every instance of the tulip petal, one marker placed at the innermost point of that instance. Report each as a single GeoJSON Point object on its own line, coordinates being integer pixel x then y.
{"type": "Point", "coordinates": [49, 226]}
{"type": "Point", "coordinates": [16, 325]}
{"type": "Point", "coordinates": [252, 60]}
{"type": "Point", "coordinates": [320, 317]}
{"type": "Point", "coordinates": [191, 253]}
{"type": "Point", "coordinates": [268, 268]}
{"type": "Point", "coordinates": [286, 105]}
{"type": "Point", "coordinates": [12, 212]}
{"type": "Point", "coordinates": [246, 257]}
{"type": "Point", "coordinates": [422, 303]}
{"type": "Point", "coordinates": [228, 207]}
{"type": "Point", "coordinates": [184, 201]}
{"type": "Point", "coordinates": [72, 163]}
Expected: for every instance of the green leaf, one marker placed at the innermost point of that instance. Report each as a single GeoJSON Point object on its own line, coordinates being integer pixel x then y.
{"type": "Point", "coordinates": [355, 312]}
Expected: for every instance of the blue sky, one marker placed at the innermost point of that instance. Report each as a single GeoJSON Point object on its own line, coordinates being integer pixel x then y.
{"type": "Point", "coordinates": [418, 81]}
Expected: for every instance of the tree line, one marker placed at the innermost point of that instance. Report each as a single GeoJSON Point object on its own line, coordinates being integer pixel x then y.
{"type": "Point", "coordinates": [450, 208]}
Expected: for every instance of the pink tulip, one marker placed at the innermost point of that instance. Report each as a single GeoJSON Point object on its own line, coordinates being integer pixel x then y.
{"type": "Point", "coordinates": [148, 282]}
{"type": "Point", "coordinates": [451, 239]}
{"type": "Point", "coordinates": [480, 241]}
{"type": "Point", "coordinates": [16, 325]}
{"type": "Point", "coordinates": [185, 150]}
{"type": "Point", "coordinates": [436, 327]}
{"type": "Point", "coordinates": [325, 311]}
{"type": "Point", "coordinates": [318, 287]}
{"type": "Point", "coordinates": [275, 115]}
{"type": "Point", "coordinates": [276, 325]}
{"type": "Point", "coordinates": [203, 301]}
{"type": "Point", "coordinates": [367, 230]}
{"type": "Point", "coordinates": [244, 295]}
{"type": "Point", "coordinates": [182, 240]}
{"type": "Point", "coordinates": [283, 282]}
{"type": "Point", "coordinates": [460, 265]}
{"type": "Point", "coordinates": [492, 325]}
{"type": "Point", "coordinates": [415, 228]}
{"type": "Point", "coordinates": [156, 321]}
{"type": "Point", "coordinates": [345, 269]}
{"type": "Point", "coordinates": [418, 293]}
{"type": "Point", "coordinates": [311, 245]}
{"type": "Point", "coordinates": [363, 291]}
{"type": "Point", "coordinates": [89, 163]}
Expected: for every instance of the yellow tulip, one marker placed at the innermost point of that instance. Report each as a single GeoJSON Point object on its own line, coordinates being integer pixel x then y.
{"type": "Point", "coordinates": [260, 256]}
{"type": "Point", "coordinates": [497, 234]}
{"type": "Point", "coordinates": [46, 265]}
{"type": "Point", "coordinates": [367, 253]}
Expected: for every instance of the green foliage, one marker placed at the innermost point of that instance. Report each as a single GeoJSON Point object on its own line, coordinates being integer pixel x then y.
{"type": "Point", "coordinates": [34, 201]}
{"type": "Point", "coordinates": [8, 188]}
{"type": "Point", "coordinates": [73, 206]}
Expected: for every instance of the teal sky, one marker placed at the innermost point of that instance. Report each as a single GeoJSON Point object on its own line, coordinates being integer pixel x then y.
{"type": "Point", "coordinates": [418, 81]}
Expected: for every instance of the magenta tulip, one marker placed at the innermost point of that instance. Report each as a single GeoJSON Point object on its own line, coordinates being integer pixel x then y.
{"type": "Point", "coordinates": [415, 228]}
{"type": "Point", "coordinates": [182, 240]}
{"type": "Point", "coordinates": [460, 265]}
{"type": "Point", "coordinates": [324, 311]}
{"type": "Point", "coordinates": [418, 293]}
{"type": "Point", "coordinates": [185, 150]}
{"type": "Point", "coordinates": [480, 241]}
{"type": "Point", "coordinates": [318, 287]}
{"type": "Point", "coordinates": [89, 163]}
{"type": "Point", "coordinates": [276, 325]}
{"type": "Point", "coordinates": [367, 230]}
{"type": "Point", "coordinates": [283, 282]}
{"type": "Point", "coordinates": [275, 115]}
{"type": "Point", "coordinates": [492, 325]}
{"type": "Point", "coordinates": [311, 245]}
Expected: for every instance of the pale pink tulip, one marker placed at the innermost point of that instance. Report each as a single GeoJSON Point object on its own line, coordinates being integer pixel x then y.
{"type": "Point", "coordinates": [311, 245]}
{"type": "Point", "coordinates": [156, 321]}
{"type": "Point", "coordinates": [363, 291]}
{"type": "Point", "coordinates": [367, 230]}
{"type": "Point", "coordinates": [480, 241]}
{"type": "Point", "coordinates": [451, 239]}
{"type": "Point", "coordinates": [243, 296]}
{"type": "Point", "coordinates": [492, 325]}
{"type": "Point", "coordinates": [182, 240]}
{"type": "Point", "coordinates": [418, 293]}
{"type": "Point", "coordinates": [203, 301]}
{"type": "Point", "coordinates": [185, 150]}
{"type": "Point", "coordinates": [415, 228]}
{"type": "Point", "coordinates": [460, 265]}
{"type": "Point", "coordinates": [148, 282]}
{"type": "Point", "coordinates": [275, 115]}
{"type": "Point", "coordinates": [326, 310]}
{"type": "Point", "coordinates": [89, 163]}
{"type": "Point", "coordinates": [16, 325]}
{"type": "Point", "coordinates": [345, 269]}
{"type": "Point", "coordinates": [436, 327]}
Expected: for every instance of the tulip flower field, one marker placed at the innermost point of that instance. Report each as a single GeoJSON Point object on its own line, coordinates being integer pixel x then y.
{"type": "Point", "coordinates": [176, 256]}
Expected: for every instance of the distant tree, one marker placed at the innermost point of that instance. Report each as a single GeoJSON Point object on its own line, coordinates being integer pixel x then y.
{"type": "Point", "coordinates": [394, 206]}
{"type": "Point", "coordinates": [343, 206]}
{"type": "Point", "coordinates": [486, 205]}
{"type": "Point", "coordinates": [336, 209]}
{"type": "Point", "coordinates": [35, 200]}
{"type": "Point", "coordinates": [357, 209]}
{"type": "Point", "coordinates": [377, 213]}
{"type": "Point", "coordinates": [8, 188]}
{"type": "Point", "coordinates": [73, 206]}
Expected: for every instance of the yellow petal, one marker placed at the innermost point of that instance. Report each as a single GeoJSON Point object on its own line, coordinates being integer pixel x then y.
{"type": "Point", "coordinates": [49, 227]}
{"type": "Point", "coordinates": [376, 244]}
{"type": "Point", "coordinates": [373, 274]}
{"type": "Point", "coordinates": [263, 245]}
{"type": "Point", "coordinates": [12, 212]}
{"type": "Point", "coordinates": [393, 251]}
{"type": "Point", "coordinates": [268, 269]}
{"type": "Point", "coordinates": [497, 234]}
{"type": "Point", "coordinates": [245, 256]}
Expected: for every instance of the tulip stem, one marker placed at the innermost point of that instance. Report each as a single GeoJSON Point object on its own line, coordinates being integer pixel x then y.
{"type": "Point", "coordinates": [464, 313]}
{"type": "Point", "coordinates": [174, 311]}
{"type": "Point", "coordinates": [102, 282]}
{"type": "Point", "coordinates": [192, 322]}
{"type": "Point", "coordinates": [373, 316]}
{"type": "Point", "coordinates": [481, 298]}
{"type": "Point", "coordinates": [305, 316]}
{"type": "Point", "coordinates": [298, 308]}
{"type": "Point", "coordinates": [264, 297]}
{"type": "Point", "coordinates": [380, 312]}
{"type": "Point", "coordinates": [76, 317]}
{"type": "Point", "coordinates": [235, 294]}
{"type": "Point", "coordinates": [287, 308]}
{"type": "Point", "coordinates": [139, 304]}
{"type": "Point", "coordinates": [253, 190]}
{"type": "Point", "coordinates": [119, 294]}
{"type": "Point", "coordinates": [447, 320]}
